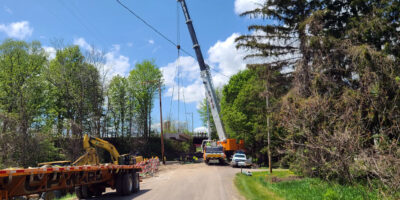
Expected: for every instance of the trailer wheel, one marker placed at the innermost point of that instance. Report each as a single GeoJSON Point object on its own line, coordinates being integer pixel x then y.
{"type": "Point", "coordinates": [96, 190]}
{"type": "Point", "coordinates": [118, 184]}
{"type": "Point", "coordinates": [127, 184]}
{"type": "Point", "coordinates": [78, 192]}
{"type": "Point", "coordinates": [136, 182]}
{"type": "Point", "coordinates": [82, 192]}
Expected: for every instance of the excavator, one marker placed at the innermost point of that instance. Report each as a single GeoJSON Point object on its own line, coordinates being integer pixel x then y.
{"type": "Point", "coordinates": [90, 157]}
{"type": "Point", "coordinates": [224, 148]}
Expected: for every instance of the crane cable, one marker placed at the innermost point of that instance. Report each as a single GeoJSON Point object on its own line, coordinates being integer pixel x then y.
{"type": "Point", "coordinates": [162, 35]}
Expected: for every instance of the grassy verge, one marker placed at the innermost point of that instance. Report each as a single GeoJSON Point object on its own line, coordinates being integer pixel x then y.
{"type": "Point", "coordinates": [68, 197]}
{"type": "Point", "coordinates": [284, 185]}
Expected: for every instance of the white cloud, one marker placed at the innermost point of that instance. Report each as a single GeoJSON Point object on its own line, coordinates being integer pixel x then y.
{"type": "Point", "coordinates": [151, 41]}
{"type": "Point", "coordinates": [227, 59]}
{"type": "Point", "coordinates": [51, 52]}
{"type": "Point", "coordinates": [116, 47]}
{"type": "Point", "coordinates": [81, 42]}
{"type": "Point", "coordinates": [247, 5]}
{"type": "Point", "coordinates": [190, 76]}
{"type": "Point", "coordinates": [156, 126]}
{"type": "Point", "coordinates": [224, 59]}
{"type": "Point", "coordinates": [19, 30]}
{"type": "Point", "coordinates": [201, 129]}
{"type": "Point", "coordinates": [115, 63]}
{"type": "Point", "coordinates": [8, 10]}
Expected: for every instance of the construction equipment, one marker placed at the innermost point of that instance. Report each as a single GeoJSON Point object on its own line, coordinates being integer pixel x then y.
{"type": "Point", "coordinates": [87, 177]}
{"type": "Point", "coordinates": [212, 151]}
{"type": "Point", "coordinates": [229, 145]}
{"type": "Point", "coordinates": [91, 157]}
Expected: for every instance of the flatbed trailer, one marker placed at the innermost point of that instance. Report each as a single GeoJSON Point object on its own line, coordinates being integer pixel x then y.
{"type": "Point", "coordinates": [86, 181]}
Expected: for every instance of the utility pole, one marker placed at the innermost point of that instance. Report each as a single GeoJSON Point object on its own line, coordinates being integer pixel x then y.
{"type": "Point", "coordinates": [161, 122]}
{"type": "Point", "coordinates": [269, 139]}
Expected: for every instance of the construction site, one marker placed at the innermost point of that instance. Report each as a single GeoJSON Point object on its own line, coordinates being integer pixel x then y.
{"type": "Point", "coordinates": [185, 99]}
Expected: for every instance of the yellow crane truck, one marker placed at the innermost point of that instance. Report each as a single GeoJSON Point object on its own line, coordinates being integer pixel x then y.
{"type": "Point", "coordinates": [228, 146]}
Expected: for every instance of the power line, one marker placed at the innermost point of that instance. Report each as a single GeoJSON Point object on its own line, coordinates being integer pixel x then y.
{"type": "Point", "coordinates": [153, 28]}
{"type": "Point", "coordinates": [81, 21]}
{"type": "Point", "coordinates": [161, 34]}
{"type": "Point", "coordinates": [147, 24]}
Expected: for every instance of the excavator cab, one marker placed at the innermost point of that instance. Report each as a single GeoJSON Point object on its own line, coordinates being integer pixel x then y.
{"type": "Point", "coordinates": [127, 159]}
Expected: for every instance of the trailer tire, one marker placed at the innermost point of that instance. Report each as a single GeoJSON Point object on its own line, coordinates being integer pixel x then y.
{"type": "Point", "coordinates": [78, 192]}
{"type": "Point", "coordinates": [127, 184]}
{"type": "Point", "coordinates": [85, 192]}
{"type": "Point", "coordinates": [136, 182]}
{"type": "Point", "coordinates": [118, 184]}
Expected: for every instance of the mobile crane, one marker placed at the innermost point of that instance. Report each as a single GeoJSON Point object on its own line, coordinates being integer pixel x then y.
{"type": "Point", "coordinates": [228, 145]}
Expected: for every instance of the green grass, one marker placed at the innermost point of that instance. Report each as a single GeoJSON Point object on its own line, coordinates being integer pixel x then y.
{"type": "Point", "coordinates": [260, 186]}
{"type": "Point", "coordinates": [68, 197]}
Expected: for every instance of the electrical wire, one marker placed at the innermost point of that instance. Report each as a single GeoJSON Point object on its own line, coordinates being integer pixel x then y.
{"type": "Point", "coordinates": [161, 34]}
{"type": "Point", "coordinates": [81, 21]}
{"type": "Point", "coordinates": [147, 24]}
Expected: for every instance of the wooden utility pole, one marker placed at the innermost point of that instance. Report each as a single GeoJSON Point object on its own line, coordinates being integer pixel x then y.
{"type": "Point", "coordinates": [268, 128]}
{"type": "Point", "coordinates": [161, 125]}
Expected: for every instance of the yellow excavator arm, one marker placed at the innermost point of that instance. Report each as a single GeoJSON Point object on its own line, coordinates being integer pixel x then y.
{"type": "Point", "coordinates": [91, 157]}
{"type": "Point", "coordinates": [97, 142]}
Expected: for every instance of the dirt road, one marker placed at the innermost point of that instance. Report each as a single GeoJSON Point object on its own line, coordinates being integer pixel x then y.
{"type": "Point", "coordinates": [189, 181]}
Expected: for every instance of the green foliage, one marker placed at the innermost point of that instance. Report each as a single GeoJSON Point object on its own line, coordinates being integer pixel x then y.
{"type": "Point", "coordinates": [204, 114]}
{"type": "Point", "coordinates": [340, 113]}
{"type": "Point", "coordinates": [244, 112]}
{"type": "Point", "coordinates": [42, 101]}
{"type": "Point", "coordinates": [118, 103]}
{"type": "Point", "coordinates": [77, 94]}
{"type": "Point", "coordinates": [144, 81]}
{"type": "Point", "coordinates": [260, 186]}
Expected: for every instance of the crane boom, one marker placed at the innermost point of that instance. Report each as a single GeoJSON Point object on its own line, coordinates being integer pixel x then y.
{"type": "Point", "coordinates": [205, 76]}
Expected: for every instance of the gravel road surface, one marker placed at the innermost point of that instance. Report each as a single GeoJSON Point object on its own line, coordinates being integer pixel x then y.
{"type": "Point", "coordinates": [188, 181]}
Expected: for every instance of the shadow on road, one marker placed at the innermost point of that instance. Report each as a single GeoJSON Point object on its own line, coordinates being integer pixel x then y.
{"type": "Point", "coordinates": [218, 164]}
{"type": "Point", "coordinates": [114, 195]}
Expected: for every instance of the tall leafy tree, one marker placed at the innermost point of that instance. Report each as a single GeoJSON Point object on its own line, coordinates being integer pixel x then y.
{"type": "Point", "coordinates": [78, 90]}
{"type": "Point", "coordinates": [244, 112]}
{"type": "Point", "coordinates": [118, 100]}
{"type": "Point", "coordinates": [144, 81]}
{"type": "Point", "coordinates": [23, 101]}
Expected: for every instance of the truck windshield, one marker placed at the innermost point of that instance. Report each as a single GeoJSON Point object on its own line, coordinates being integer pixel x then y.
{"type": "Point", "coordinates": [214, 149]}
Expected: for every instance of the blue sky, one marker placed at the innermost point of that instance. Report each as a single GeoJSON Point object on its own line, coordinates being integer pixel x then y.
{"type": "Point", "coordinates": [125, 40]}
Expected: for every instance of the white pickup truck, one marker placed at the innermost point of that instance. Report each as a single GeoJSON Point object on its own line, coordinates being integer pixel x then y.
{"type": "Point", "coordinates": [240, 160]}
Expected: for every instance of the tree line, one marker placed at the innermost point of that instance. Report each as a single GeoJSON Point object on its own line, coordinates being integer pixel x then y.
{"type": "Point", "coordinates": [68, 96]}
{"type": "Point", "coordinates": [330, 70]}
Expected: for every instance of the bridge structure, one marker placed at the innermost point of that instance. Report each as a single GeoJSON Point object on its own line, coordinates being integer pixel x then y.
{"type": "Point", "coordinates": [199, 137]}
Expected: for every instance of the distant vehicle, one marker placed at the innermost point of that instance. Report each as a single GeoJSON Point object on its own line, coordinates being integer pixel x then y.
{"type": "Point", "coordinates": [240, 160]}
{"type": "Point", "coordinates": [213, 152]}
